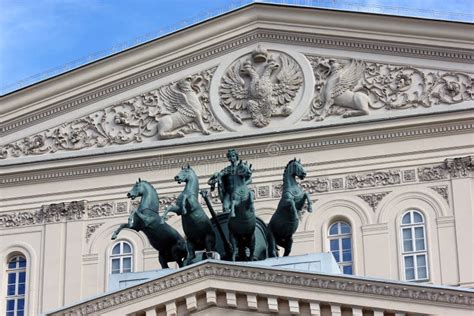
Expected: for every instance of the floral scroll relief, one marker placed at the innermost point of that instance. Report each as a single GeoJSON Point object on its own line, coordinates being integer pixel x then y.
{"type": "Point", "coordinates": [145, 117]}
{"type": "Point", "coordinates": [355, 87]}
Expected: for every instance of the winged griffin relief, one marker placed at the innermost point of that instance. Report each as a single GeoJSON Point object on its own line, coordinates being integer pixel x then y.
{"type": "Point", "coordinates": [354, 87]}
{"type": "Point", "coordinates": [172, 110]}
{"type": "Point", "coordinates": [260, 86]}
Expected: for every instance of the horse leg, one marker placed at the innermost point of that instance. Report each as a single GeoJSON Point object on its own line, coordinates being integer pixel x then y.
{"type": "Point", "coordinates": [272, 247]}
{"type": "Point", "coordinates": [115, 234]}
{"type": "Point", "coordinates": [191, 255]}
{"type": "Point", "coordinates": [163, 262]}
{"type": "Point", "coordinates": [289, 243]}
{"type": "Point", "coordinates": [308, 200]}
{"type": "Point", "coordinates": [233, 242]}
{"type": "Point", "coordinates": [251, 247]}
{"type": "Point", "coordinates": [211, 241]}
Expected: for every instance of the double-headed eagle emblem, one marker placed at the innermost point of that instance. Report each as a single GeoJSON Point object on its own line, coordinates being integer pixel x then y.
{"type": "Point", "coordinates": [260, 87]}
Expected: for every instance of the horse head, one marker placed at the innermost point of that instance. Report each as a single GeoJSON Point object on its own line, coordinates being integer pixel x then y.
{"type": "Point", "coordinates": [296, 169]}
{"type": "Point", "coordinates": [137, 189]}
{"type": "Point", "coordinates": [187, 173]}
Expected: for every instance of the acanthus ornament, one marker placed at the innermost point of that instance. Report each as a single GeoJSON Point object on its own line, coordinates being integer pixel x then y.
{"type": "Point", "coordinates": [459, 167]}
{"type": "Point", "coordinates": [260, 86]}
{"type": "Point", "coordinates": [355, 87]}
{"type": "Point", "coordinates": [51, 213]}
{"type": "Point", "coordinates": [432, 173]}
{"type": "Point", "coordinates": [91, 229]}
{"type": "Point", "coordinates": [442, 190]}
{"type": "Point", "coordinates": [373, 199]}
{"type": "Point", "coordinates": [170, 111]}
{"type": "Point", "coordinates": [378, 178]}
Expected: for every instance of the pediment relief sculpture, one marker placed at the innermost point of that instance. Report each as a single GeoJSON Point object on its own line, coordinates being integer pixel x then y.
{"type": "Point", "coordinates": [354, 87]}
{"type": "Point", "coordinates": [173, 110]}
{"type": "Point", "coordinates": [259, 86]}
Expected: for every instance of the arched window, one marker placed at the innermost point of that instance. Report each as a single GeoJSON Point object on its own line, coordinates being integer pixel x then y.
{"type": "Point", "coordinates": [340, 244]}
{"type": "Point", "coordinates": [121, 258]}
{"type": "Point", "coordinates": [414, 250]}
{"type": "Point", "coordinates": [16, 286]}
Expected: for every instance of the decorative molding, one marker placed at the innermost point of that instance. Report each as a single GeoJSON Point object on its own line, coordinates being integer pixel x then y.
{"type": "Point", "coordinates": [409, 175]}
{"type": "Point", "coordinates": [169, 111]}
{"type": "Point", "coordinates": [459, 167]}
{"type": "Point", "coordinates": [432, 173]}
{"type": "Point", "coordinates": [373, 199]}
{"type": "Point", "coordinates": [349, 87]}
{"type": "Point", "coordinates": [274, 277]}
{"type": "Point", "coordinates": [373, 179]}
{"type": "Point", "coordinates": [101, 209]}
{"type": "Point", "coordinates": [51, 213]}
{"type": "Point", "coordinates": [90, 230]}
{"type": "Point", "coordinates": [317, 185]}
{"type": "Point", "coordinates": [256, 151]}
{"type": "Point", "coordinates": [337, 183]}
{"type": "Point", "coordinates": [122, 208]}
{"type": "Point", "coordinates": [443, 191]}
{"type": "Point", "coordinates": [263, 192]}
{"type": "Point", "coordinates": [74, 211]}
{"type": "Point", "coordinates": [285, 37]}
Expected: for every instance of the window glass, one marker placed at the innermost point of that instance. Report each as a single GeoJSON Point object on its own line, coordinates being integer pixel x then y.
{"type": "Point", "coordinates": [340, 244]}
{"type": "Point", "coordinates": [414, 250]}
{"type": "Point", "coordinates": [121, 259]}
{"type": "Point", "coordinates": [16, 286]}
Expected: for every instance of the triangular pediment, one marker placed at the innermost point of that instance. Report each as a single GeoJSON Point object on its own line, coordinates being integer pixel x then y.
{"type": "Point", "coordinates": [210, 287]}
{"type": "Point", "coordinates": [250, 78]}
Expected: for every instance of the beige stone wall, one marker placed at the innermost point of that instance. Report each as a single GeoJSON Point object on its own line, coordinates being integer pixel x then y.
{"type": "Point", "coordinates": [366, 170]}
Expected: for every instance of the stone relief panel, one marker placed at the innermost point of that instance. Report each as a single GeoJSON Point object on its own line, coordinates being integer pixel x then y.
{"type": "Point", "coordinates": [373, 179]}
{"type": "Point", "coordinates": [260, 86]}
{"type": "Point", "coordinates": [350, 87]}
{"type": "Point", "coordinates": [173, 110]}
{"type": "Point", "coordinates": [51, 213]}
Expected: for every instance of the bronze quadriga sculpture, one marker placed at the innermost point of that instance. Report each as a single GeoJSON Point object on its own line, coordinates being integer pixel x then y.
{"type": "Point", "coordinates": [250, 239]}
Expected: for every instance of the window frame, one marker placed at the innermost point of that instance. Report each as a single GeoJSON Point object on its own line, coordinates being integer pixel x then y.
{"type": "Point", "coordinates": [121, 256]}
{"type": "Point", "coordinates": [16, 297]}
{"type": "Point", "coordinates": [339, 236]}
{"type": "Point", "coordinates": [414, 253]}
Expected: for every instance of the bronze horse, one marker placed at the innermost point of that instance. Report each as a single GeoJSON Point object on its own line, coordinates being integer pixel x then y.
{"type": "Point", "coordinates": [196, 225]}
{"type": "Point", "coordinates": [284, 221]}
{"type": "Point", "coordinates": [242, 218]}
{"type": "Point", "coordinates": [164, 238]}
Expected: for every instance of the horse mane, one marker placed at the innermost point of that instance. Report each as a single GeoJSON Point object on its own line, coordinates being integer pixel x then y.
{"type": "Point", "coordinates": [288, 165]}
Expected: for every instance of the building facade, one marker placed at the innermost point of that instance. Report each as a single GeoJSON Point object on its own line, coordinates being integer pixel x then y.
{"type": "Point", "coordinates": [378, 108]}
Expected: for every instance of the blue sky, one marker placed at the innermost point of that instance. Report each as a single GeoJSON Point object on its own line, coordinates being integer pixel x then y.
{"type": "Point", "coordinates": [47, 37]}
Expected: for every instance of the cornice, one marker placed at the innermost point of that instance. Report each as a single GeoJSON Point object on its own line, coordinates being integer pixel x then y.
{"type": "Point", "coordinates": [267, 35]}
{"type": "Point", "coordinates": [218, 154]}
{"type": "Point", "coordinates": [234, 272]}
